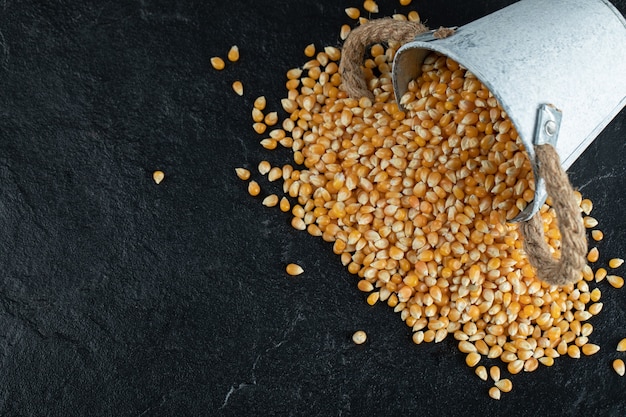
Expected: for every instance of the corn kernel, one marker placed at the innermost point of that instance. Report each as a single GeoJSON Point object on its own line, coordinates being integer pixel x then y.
{"type": "Point", "coordinates": [233, 53]}
{"type": "Point", "coordinates": [217, 63]}
{"type": "Point", "coordinates": [294, 269]}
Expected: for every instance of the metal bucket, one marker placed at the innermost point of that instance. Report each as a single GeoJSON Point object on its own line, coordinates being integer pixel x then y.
{"type": "Point", "coordinates": [558, 68]}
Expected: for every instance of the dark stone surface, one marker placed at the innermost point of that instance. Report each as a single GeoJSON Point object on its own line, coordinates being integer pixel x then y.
{"type": "Point", "coordinates": [119, 297]}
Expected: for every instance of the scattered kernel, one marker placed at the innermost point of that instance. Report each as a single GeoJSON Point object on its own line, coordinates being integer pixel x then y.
{"type": "Point", "coordinates": [494, 392]}
{"type": "Point", "coordinates": [504, 385]}
{"type": "Point", "coordinates": [615, 263]}
{"type": "Point", "coordinates": [218, 63]}
{"type": "Point", "coordinates": [481, 371]}
{"type": "Point", "coordinates": [353, 12]}
{"type": "Point", "coordinates": [238, 88]}
{"type": "Point", "coordinates": [233, 53]}
{"type": "Point", "coordinates": [621, 346]}
{"type": "Point", "coordinates": [264, 167]}
{"type": "Point", "coordinates": [270, 201]}
{"type": "Point", "coordinates": [158, 176]}
{"type": "Point", "coordinates": [254, 188]}
{"type": "Point", "coordinates": [260, 103]}
{"type": "Point", "coordinates": [371, 6]}
{"type": "Point", "coordinates": [600, 274]}
{"type": "Point", "coordinates": [413, 16]}
{"type": "Point", "coordinates": [593, 255]}
{"type": "Point", "coordinates": [618, 366]}
{"type": "Point", "coordinates": [615, 280]}
{"type": "Point", "coordinates": [589, 222]}
{"type": "Point", "coordinates": [359, 337]}
{"type": "Point", "coordinates": [590, 349]}
{"type": "Point", "coordinates": [344, 32]}
{"type": "Point", "coordinates": [494, 373]}
{"type": "Point", "coordinates": [472, 359]}
{"type": "Point", "coordinates": [259, 127]}
{"type": "Point", "coordinates": [405, 2]}
{"type": "Point", "coordinates": [597, 235]}
{"type": "Point", "coordinates": [309, 51]}
{"type": "Point", "coordinates": [242, 173]}
{"type": "Point", "coordinates": [586, 205]}
{"type": "Point", "coordinates": [285, 206]}
{"type": "Point", "coordinates": [294, 269]}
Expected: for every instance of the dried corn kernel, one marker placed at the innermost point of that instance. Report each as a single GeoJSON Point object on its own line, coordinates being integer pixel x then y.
{"type": "Point", "coordinates": [253, 188]}
{"type": "Point", "coordinates": [294, 269]}
{"type": "Point", "coordinates": [615, 280]}
{"type": "Point", "coordinates": [242, 173]}
{"type": "Point", "coordinates": [238, 87]}
{"type": "Point", "coordinates": [593, 255]}
{"type": "Point", "coordinates": [233, 53]}
{"type": "Point", "coordinates": [481, 371]}
{"type": "Point", "coordinates": [504, 385]}
{"type": "Point", "coordinates": [158, 176]}
{"type": "Point", "coordinates": [370, 6]}
{"type": "Point", "coordinates": [494, 392]}
{"type": "Point", "coordinates": [309, 51]}
{"type": "Point", "coordinates": [353, 12]}
{"type": "Point", "coordinates": [218, 63]}
{"type": "Point", "coordinates": [264, 167]}
{"type": "Point", "coordinates": [260, 103]}
{"type": "Point", "coordinates": [359, 337]}
{"type": "Point", "coordinates": [618, 366]}
{"type": "Point", "coordinates": [615, 263]}
{"type": "Point", "coordinates": [597, 235]}
{"type": "Point", "coordinates": [270, 201]}
{"type": "Point", "coordinates": [621, 346]}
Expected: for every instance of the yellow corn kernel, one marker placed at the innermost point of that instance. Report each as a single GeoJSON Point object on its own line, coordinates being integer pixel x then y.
{"type": "Point", "coordinates": [600, 274]}
{"type": "Point", "coordinates": [285, 206]}
{"type": "Point", "coordinates": [260, 103]}
{"type": "Point", "coordinates": [618, 366]}
{"type": "Point", "coordinates": [370, 6]}
{"type": "Point", "coordinates": [259, 127]}
{"type": "Point", "coordinates": [309, 51]}
{"type": "Point", "coordinates": [294, 269]}
{"type": "Point", "coordinates": [253, 188]}
{"type": "Point", "coordinates": [405, 2]}
{"type": "Point", "coordinates": [264, 167]}
{"type": "Point", "coordinates": [615, 263]}
{"type": "Point", "coordinates": [344, 32]}
{"type": "Point", "coordinates": [494, 392]}
{"type": "Point", "coordinates": [233, 53]}
{"type": "Point", "coordinates": [589, 349]}
{"type": "Point", "coordinates": [597, 235]}
{"type": "Point", "coordinates": [359, 337]}
{"type": "Point", "coordinates": [481, 371]}
{"type": "Point", "coordinates": [413, 16]}
{"type": "Point", "coordinates": [615, 280]}
{"type": "Point", "coordinates": [218, 63]}
{"type": "Point", "coordinates": [586, 206]}
{"type": "Point", "coordinates": [158, 176]}
{"type": "Point", "coordinates": [494, 373]}
{"type": "Point", "coordinates": [504, 385]}
{"type": "Point", "coordinates": [242, 173]}
{"type": "Point", "coordinates": [589, 222]}
{"type": "Point", "coordinates": [270, 201]}
{"type": "Point", "coordinates": [472, 359]}
{"type": "Point", "coordinates": [593, 255]}
{"type": "Point", "coordinates": [621, 346]}
{"type": "Point", "coordinates": [373, 298]}
{"type": "Point", "coordinates": [238, 87]}
{"type": "Point", "coordinates": [353, 13]}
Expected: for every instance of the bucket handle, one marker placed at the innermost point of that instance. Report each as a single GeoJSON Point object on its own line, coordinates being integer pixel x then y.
{"type": "Point", "coordinates": [565, 270]}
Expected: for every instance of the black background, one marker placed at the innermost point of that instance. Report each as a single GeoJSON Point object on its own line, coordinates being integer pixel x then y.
{"type": "Point", "coordinates": [120, 297]}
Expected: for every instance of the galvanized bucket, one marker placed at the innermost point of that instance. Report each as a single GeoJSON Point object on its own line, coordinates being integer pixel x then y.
{"type": "Point", "coordinates": [558, 68]}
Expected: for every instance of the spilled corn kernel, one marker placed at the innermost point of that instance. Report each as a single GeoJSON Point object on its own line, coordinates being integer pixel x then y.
{"type": "Point", "coordinates": [621, 346]}
{"type": "Point", "coordinates": [233, 53]}
{"type": "Point", "coordinates": [242, 173]}
{"type": "Point", "coordinates": [618, 366]}
{"type": "Point", "coordinates": [615, 263]}
{"type": "Point", "coordinates": [253, 188]}
{"type": "Point", "coordinates": [294, 269]}
{"type": "Point", "coordinates": [218, 63]}
{"type": "Point", "coordinates": [238, 87]}
{"type": "Point", "coordinates": [158, 176]}
{"type": "Point", "coordinates": [359, 337]}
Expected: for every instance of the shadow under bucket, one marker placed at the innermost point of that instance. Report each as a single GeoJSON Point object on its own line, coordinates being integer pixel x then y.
{"type": "Point", "coordinates": [558, 69]}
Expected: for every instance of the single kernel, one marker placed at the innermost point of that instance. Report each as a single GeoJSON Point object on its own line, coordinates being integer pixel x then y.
{"type": "Point", "coordinates": [285, 206]}
{"type": "Point", "coordinates": [270, 201]}
{"type": "Point", "coordinates": [481, 371]}
{"type": "Point", "coordinates": [260, 102]}
{"type": "Point", "coordinates": [264, 167]}
{"type": "Point", "coordinates": [615, 280]}
{"type": "Point", "coordinates": [344, 32]}
{"type": "Point", "coordinates": [472, 359]}
{"type": "Point", "coordinates": [589, 222]}
{"type": "Point", "coordinates": [586, 205]}
{"type": "Point", "coordinates": [259, 127]}
{"type": "Point", "coordinates": [269, 143]}
{"type": "Point", "coordinates": [618, 366]}
{"type": "Point", "coordinates": [504, 385]}
{"type": "Point", "coordinates": [359, 337]}
{"type": "Point", "coordinates": [413, 16]}
{"type": "Point", "coordinates": [309, 51]}
{"type": "Point", "coordinates": [405, 2]}
{"type": "Point", "coordinates": [615, 263]}
{"type": "Point", "coordinates": [621, 346]}
{"type": "Point", "coordinates": [274, 174]}
{"type": "Point", "coordinates": [597, 235]}
{"type": "Point", "coordinates": [370, 6]}
{"type": "Point", "coordinates": [353, 12]}
{"type": "Point", "coordinates": [218, 63]}
{"type": "Point", "coordinates": [593, 255]}
{"type": "Point", "coordinates": [589, 349]}
{"type": "Point", "coordinates": [253, 188]}
{"type": "Point", "coordinates": [242, 173]}
{"type": "Point", "coordinates": [600, 274]}
{"type": "Point", "coordinates": [494, 392]}
{"type": "Point", "coordinates": [233, 53]}
{"type": "Point", "coordinates": [238, 88]}
{"type": "Point", "coordinates": [294, 269]}
{"type": "Point", "coordinates": [158, 176]}
{"type": "Point", "coordinates": [494, 373]}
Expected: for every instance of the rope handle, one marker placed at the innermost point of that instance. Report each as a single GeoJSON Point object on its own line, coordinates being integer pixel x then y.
{"type": "Point", "coordinates": [565, 270]}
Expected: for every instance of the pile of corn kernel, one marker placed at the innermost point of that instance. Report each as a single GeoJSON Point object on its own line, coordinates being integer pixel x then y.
{"type": "Point", "coordinates": [416, 203]}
